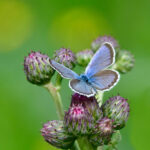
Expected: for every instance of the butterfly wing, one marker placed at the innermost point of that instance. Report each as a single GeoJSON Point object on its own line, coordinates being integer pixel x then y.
{"type": "Point", "coordinates": [63, 71]}
{"type": "Point", "coordinates": [105, 80]}
{"type": "Point", "coordinates": [81, 87]}
{"type": "Point", "coordinates": [104, 57]}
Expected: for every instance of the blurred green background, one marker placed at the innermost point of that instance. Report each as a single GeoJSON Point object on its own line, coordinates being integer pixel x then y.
{"type": "Point", "coordinates": [48, 25]}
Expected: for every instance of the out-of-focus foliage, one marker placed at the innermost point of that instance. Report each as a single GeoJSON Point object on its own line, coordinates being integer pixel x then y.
{"type": "Point", "coordinates": [49, 25]}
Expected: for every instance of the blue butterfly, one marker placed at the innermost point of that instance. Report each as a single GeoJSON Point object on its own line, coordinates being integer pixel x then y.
{"type": "Point", "coordinates": [96, 76]}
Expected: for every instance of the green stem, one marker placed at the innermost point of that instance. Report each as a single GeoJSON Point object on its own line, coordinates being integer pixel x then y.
{"type": "Point", "coordinates": [99, 97]}
{"type": "Point", "coordinates": [54, 91]}
{"type": "Point", "coordinates": [57, 99]}
{"type": "Point", "coordinates": [58, 80]}
{"type": "Point", "coordinates": [75, 146]}
{"type": "Point", "coordinates": [85, 144]}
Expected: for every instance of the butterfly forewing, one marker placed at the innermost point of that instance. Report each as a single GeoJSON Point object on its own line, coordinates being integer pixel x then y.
{"type": "Point", "coordinates": [81, 87]}
{"type": "Point", "coordinates": [105, 80]}
{"type": "Point", "coordinates": [104, 57]}
{"type": "Point", "coordinates": [63, 71]}
{"type": "Point", "coordinates": [98, 78]}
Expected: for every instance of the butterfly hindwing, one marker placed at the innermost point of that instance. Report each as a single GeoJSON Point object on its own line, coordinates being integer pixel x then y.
{"type": "Point", "coordinates": [105, 80]}
{"type": "Point", "coordinates": [81, 87]}
{"type": "Point", "coordinates": [64, 71]}
{"type": "Point", "coordinates": [104, 57]}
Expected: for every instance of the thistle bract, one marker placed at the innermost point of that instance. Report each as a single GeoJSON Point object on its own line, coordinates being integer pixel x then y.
{"type": "Point", "coordinates": [84, 57]}
{"type": "Point", "coordinates": [55, 134]}
{"type": "Point", "coordinates": [97, 140]}
{"type": "Point", "coordinates": [66, 57]}
{"type": "Point", "coordinates": [90, 103]}
{"type": "Point", "coordinates": [82, 115]}
{"type": "Point", "coordinates": [102, 132]}
{"type": "Point", "coordinates": [78, 121]}
{"type": "Point", "coordinates": [104, 126]}
{"type": "Point", "coordinates": [96, 44]}
{"type": "Point", "coordinates": [117, 109]}
{"type": "Point", "coordinates": [37, 68]}
{"type": "Point", "coordinates": [125, 62]}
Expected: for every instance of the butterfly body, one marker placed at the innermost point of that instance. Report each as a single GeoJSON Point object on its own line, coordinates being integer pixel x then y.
{"type": "Point", "coordinates": [85, 78]}
{"type": "Point", "coordinates": [96, 76]}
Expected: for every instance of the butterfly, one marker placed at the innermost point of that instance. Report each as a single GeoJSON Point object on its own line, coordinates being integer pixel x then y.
{"type": "Point", "coordinates": [96, 76]}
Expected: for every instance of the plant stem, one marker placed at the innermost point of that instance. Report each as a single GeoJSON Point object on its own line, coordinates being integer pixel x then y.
{"type": "Point", "coordinates": [56, 98]}
{"type": "Point", "coordinates": [58, 80]}
{"type": "Point", "coordinates": [54, 91]}
{"type": "Point", "coordinates": [85, 144]}
{"type": "Point", "coordinates": [99, 97]}
{"type": "Point", "coordinates": [75, 146]}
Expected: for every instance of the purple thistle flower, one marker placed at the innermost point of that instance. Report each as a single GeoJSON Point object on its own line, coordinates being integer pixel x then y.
{"type": "Point", "coordinates": [66, 57]}
{"type": "Point", "coordinates": [90, 103]}
{"type": "Point", "coordinates": [96, 44]}
{"type": "Point", "coordinates": [82, 115]}
{"type": "Point", "coordinates": [117, 109]}
{"type": "Point", "coordinates": [78, 121]}
{"type": "Point", "coordinates": [37, 68]}
{"type": "Point", "coordinates": [84, 57]}
{"type": "Point", "coordinates": [55, 134]}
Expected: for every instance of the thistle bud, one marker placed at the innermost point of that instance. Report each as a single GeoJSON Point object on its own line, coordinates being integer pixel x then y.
{"type": "Point", "coordinates": [102, 132]}
{"type": "Point", "coordinates": [104, 126]}
{"type": "Point", "coordinates": [125, 62]}
{"type": "Point", "coordinates": [55, 134]}
{"type": "Point", "coordinates": [83, 113]}
{"type": "Point", "coordinates": [117, 109]}
{"type": "Point", "coordinates": [90, 103]}
{"type": "Point", "coordinates": [78, 121]}
{"type": "Point", "coordinates": [96, 44]}
{"type": "Point", "coordinates": [84, 57]}
{"type": "Point", "coordinates": [37, 68]}
{"type": "Point", "coordinates": [66, 57]}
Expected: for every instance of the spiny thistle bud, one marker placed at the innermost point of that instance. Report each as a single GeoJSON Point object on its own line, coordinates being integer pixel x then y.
{"type": "Point", "coordinates": [78, 121]}
{"type": "Point", "coordinates": [55, 134]}
{"type": "Point", "coordinates": [104, 126]}
{"type": "Point", "coordinates": [84, 57]}
{"type": "Point", "coordinates": [117, 109]}
{"type": "Point", "coordinates": [102, 132]}
{"type": "Point", "coordinates": [66, 57]}
{"type": "Point", "coordinates": [96, 44]}
{"type": "Point", "coordinates": [125, 62]}
{"type": "Point", "coordinates": [90, 103]}
{"type": "Point", "coordinates": [37, 68]}
{"type": "Point", "coordinates": [83, 113]}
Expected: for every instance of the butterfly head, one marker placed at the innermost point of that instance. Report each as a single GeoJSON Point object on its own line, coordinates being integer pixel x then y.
{"type": "Point", "coordinates": [84, 78]}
